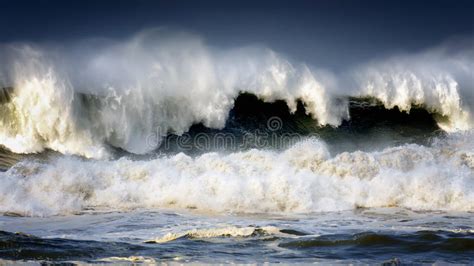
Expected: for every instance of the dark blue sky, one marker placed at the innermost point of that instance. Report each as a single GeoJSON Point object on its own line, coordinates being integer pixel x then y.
{"type": "Point", "coordinates": [329, 33]}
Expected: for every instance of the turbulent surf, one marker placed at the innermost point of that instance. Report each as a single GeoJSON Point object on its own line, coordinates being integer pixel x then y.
{"type": "Point", "coordinates": [82, 101]}
{"type": "Point", "coordinates": [164, 121]}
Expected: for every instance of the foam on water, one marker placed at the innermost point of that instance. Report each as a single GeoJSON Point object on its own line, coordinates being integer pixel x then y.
{"type": "Point", "coordinates": [219, 232]}
{"type": "Point", "coordinates": [302, 179]}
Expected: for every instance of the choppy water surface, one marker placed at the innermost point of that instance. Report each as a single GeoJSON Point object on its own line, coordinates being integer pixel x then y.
{"type": "Point", "coordinates": [364, 235]}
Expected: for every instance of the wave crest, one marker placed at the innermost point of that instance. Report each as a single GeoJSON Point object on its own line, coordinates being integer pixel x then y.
{"type": "Point", "coordinates": [83, 99]}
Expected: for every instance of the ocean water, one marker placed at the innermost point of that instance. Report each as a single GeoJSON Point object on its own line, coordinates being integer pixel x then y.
{"type": "Point", "coordinates": [375, 235]}
{"type": "Point", "coordinates": [163, 149]}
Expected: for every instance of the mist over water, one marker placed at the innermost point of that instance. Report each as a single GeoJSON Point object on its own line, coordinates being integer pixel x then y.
{"type": "Point", "coordinates": [94, 94]}
{"type": "Point", "coordinates": [237, 144]}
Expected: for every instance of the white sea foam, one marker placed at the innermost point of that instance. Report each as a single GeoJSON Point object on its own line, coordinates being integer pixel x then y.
{"type": "Point", "coordinates": [302, 179]}
{"type": "Point", "coordinates": [439, 80]}
{"type": "Point", "coordinates": [158, 83]}
{"type": "Point", "coordinates": [231, 231]}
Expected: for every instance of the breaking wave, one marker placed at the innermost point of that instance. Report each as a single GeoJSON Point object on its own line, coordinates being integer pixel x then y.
{"type": "Point", "coordinates": [99, 95]}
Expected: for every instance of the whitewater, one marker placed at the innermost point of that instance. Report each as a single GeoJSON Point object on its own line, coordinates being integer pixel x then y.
{"type": "Point", "coordinates": [302, 179]}
{"type": "Point", "coordinates": [84, 99]}
{"type": "Point", "coordinates": [161, 147]}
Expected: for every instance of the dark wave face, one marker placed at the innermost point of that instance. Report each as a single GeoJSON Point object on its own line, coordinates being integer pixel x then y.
{"type": "Point", "coordinates": [253, 123]}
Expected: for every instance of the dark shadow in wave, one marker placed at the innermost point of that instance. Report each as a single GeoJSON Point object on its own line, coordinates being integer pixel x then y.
{"type": "Point", "coordinates": [420, 247]}
{"type": "Point", "coordinates": [8, 158]}
{"type": "Point", "coordinates": [250, 125]}
{"type": "Point", "coordinates": [253, 123]}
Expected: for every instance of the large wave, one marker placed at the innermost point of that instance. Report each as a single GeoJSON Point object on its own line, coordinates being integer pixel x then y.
{"type": "Point", "coordinates": [95, 94]}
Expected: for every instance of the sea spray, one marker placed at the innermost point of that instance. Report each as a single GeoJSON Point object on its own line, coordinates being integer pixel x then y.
{"type": "Point", "coordinates": [98, 95]}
